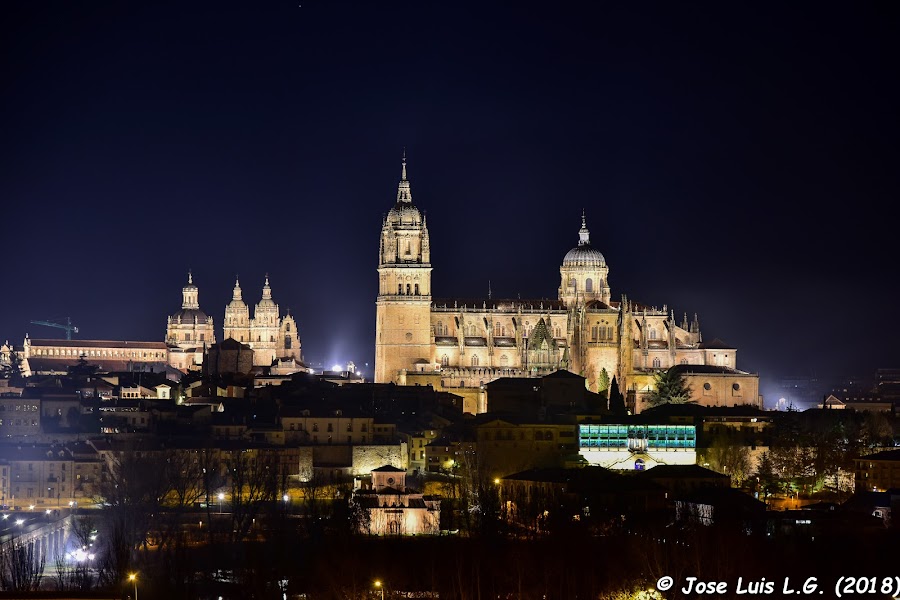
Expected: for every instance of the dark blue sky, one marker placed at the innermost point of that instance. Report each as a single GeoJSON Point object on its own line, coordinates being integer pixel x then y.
{"type": "Point", "coordinates": [734, 159]}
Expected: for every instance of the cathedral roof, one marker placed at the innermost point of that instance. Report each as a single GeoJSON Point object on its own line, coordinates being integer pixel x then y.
{"type": "Point", "coordinates": [404, 212]}
{"type": "Point", "coordinates": [509, 305]}
{"type": "Point", "coordinates": [584, 255]}
{"type": "Point", "coordinates": [189, 314]}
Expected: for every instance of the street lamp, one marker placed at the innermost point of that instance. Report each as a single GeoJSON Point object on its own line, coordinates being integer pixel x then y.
{"type": "Point", "coordinates": [132, 577]}
{"type": "Point", "coordinates": [221, 497]}
{"type": "Point", "coordinates": [380, 587]}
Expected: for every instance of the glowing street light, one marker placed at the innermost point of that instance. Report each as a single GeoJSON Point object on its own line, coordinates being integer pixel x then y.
{"type": "Point", "coordinates": [132, 577]}
{"type": "Point", "coordinates": [221, 497]}
{"type": "Point", "coordinates": [380, 587]}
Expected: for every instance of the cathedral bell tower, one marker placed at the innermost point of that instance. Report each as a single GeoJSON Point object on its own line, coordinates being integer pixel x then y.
{"type": "Point", "coordinates": [403, 307]}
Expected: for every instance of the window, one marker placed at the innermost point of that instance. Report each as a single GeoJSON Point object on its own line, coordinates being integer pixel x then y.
{"type": "Point", "coordinates": [595, 330]}
{"type": "Point", "coordinates": [287, 326]}
{"type": "Point", "coordinates": [504, 361]}
{"type": "Point", "coordinates": [287, 341]}
{"type": "Point", "coordinates": [187, 337]}
{"type": "Point", "coordinates": [656, 363]}
{"type": "Point", "coordinates": [408, 289]}
{"type": "Point", "coordinates": [350, 426]}
{"type": "Point", "coordinates": [315, 427]}
{"type": "Point", "coordinates": [445, 361]}
{"type": "Point", "coordinates": [202, 337]}
{"type": "Point", "coordinates": [330, 428]}
{"type": "Point", "coordinates": [474, 360]}
{"type": "Point", "coordinates": [652, 334]}
{"type": "Point", "coordinates": [399, 288]}
{"type": "Point", "coordinates": [417, 289]}
{"type": "Point", "coordinates": [589, 285]}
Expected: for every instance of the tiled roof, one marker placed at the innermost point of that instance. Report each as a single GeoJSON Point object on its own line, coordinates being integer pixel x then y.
{"type": "Point", "coordinates": [99, 344]}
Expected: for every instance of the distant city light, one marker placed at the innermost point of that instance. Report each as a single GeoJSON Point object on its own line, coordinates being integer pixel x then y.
{"type": "Point", "coordinates": [19, 521]}
{"type": "Point", "coordinates": [336, 368]}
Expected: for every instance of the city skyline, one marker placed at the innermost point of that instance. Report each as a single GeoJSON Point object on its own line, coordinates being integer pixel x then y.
{"type": "Point", "coordinates": [706, 148]}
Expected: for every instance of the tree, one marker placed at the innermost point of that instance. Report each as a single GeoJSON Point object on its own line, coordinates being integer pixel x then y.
{"type": "Point", "coordinates": [765, 473]}
{"type": "Point", "coordinates": [616, 400]}
{"type": "Point", "coordinates": [21, 569]}
{"type": "Point", "coordinates": [603, 382]}
{"type": "Point", "coordinates": [733, 459]}
{"type": "Point", "coordinates": [671, 387]}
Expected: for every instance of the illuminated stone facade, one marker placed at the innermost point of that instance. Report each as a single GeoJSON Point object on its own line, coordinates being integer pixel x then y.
{"type": "Point", "coordinates": [391, 509]}
{"type": "Point", "coordinates": [189, 331]}
{"type": "Point", "coordinates": [459, 345]}
{"type": "Point", "coordinates": [271, 336]}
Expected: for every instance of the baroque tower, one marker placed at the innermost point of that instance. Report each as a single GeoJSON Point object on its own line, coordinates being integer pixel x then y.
{"type": "Point", "coordinates": [237, 317]}
{"type": "Point", "coordinates": [403, 307]}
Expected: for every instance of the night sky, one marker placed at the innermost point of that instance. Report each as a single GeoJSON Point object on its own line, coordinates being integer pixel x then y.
{"type": "Point", "coordinates": [733, 160]}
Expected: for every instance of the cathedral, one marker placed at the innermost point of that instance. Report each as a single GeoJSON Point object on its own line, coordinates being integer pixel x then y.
{"type": "Point", "coordinates": [270, 335]}
{"type": "Point", "coordinates": [460, 345]}
{"type": "Point", "coordinates": [190, 332]}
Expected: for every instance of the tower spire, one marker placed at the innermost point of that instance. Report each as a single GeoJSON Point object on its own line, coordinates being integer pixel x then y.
{"type": "Point", "coordinates": [403, 192]}
{"type": "Point", "coordinates": [584, 236]}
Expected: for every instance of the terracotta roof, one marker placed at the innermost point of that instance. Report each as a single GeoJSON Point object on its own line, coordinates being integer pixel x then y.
{"type": "Point", "coordinates": [99, 344]}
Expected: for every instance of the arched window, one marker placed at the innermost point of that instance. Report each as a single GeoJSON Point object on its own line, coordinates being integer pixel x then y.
{"type": "Point", "coordinates": [287, 327]}
{"type": "Point", "coordinates": [417, 289]}
{"type": "Point", "coordinates": [589, 285]}
{"type": "Point", "coordinates": [287, 342]}
{"type": "Point", "coordinates": [684, 361]}
{"type": "Point", "coordinates": [399, 288]}
{"type": "Point", "coordinates": [652, 334]}
{"type": "Point", "coordinates": [594, 332]}
{"type": "Point", "coordinates": [439, 328]}
{"type": "Point", "coordinates": [474, 360]}
{"type": "Point", "coordinates": [656, 363]}
{"type": "Point", "coordinates": [408, 289]}
{"type": "Point", "coordinates": [497, 329]}
{"type": "Point", "coordinates": [445, 361]}
{"type": "Point", "coordinates": [571, 282]}
{"type": "Point", "coordinates": [558, 332]}
{"type": "Point", "coordinates": [609, 332]}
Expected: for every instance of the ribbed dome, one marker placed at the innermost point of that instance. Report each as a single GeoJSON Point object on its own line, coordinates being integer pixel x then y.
{"type": "Point", "coordinates": [188, 314]}
{"type": "Point", "coordinates": [404, 213]}
{"type": "Point", "coordinates": [584, 255]}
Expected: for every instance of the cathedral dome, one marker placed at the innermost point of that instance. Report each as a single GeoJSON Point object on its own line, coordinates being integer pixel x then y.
{"type": "Point", "coordinates": [189, 314]}
{"type": "Point", "coordinates": [404, 213]}
{"type": "Point", "coordinates": [584, 255]}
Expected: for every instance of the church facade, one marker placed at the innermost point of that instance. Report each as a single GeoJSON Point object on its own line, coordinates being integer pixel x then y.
{"type": "Point", "coordinates": [190, 331]}
{"type": "Point", "coordinates": [270, 335]}
{"type": "Point", "coordinates": [459, 345]}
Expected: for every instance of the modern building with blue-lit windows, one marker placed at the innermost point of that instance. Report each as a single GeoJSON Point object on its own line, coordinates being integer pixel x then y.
{"type": "Point", "coordinates": [637, 446]}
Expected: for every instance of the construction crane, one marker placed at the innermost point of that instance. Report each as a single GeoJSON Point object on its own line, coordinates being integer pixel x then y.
{"type": "Point", "coordinates": [70, 329]}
